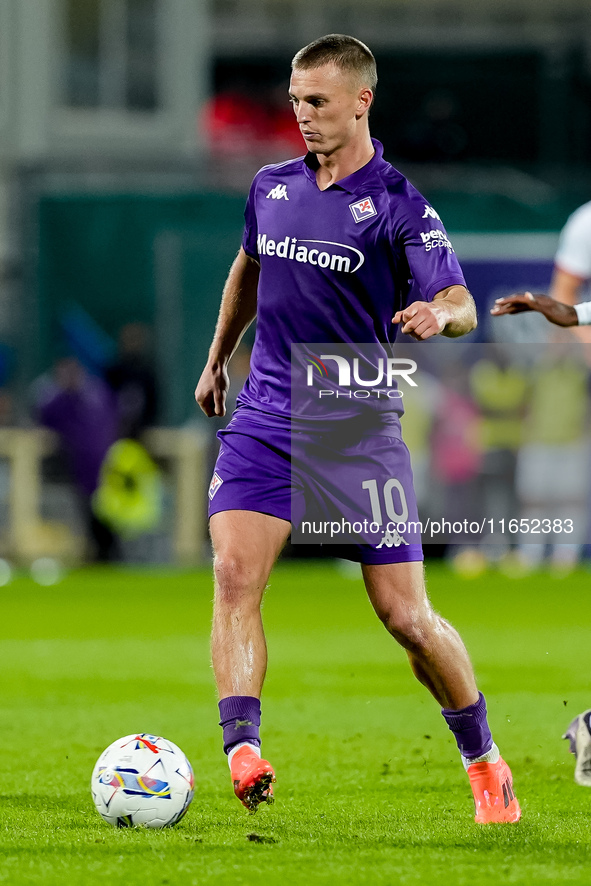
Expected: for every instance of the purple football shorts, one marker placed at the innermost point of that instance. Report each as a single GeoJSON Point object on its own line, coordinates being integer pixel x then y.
{"type": "Point", "coordinates": [348, 490]}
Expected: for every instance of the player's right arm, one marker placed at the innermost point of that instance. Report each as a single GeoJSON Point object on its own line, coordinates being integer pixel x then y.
{"type": "Point", "coordinates": [554, 311]}
{"type": "Point", "coordinates": [237, 311]}
{"type": "Point", "coordinates": [572, 267]}
{"type": "Point", "coordinates": [565, 287]}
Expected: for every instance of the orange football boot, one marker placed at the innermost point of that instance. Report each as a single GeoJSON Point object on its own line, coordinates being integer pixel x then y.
{"type": "Point", "coordinates": [494, 799]}
{"type": "Point", "coordinates": [252, 778]}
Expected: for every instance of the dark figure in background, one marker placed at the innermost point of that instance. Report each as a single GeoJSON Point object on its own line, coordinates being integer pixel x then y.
{"type": "Point", "coordinates": [133, 381]}
{"type": "Point", "coordinates": [82, 410]}
{"type": "Point", "coordinates": [435, 134]}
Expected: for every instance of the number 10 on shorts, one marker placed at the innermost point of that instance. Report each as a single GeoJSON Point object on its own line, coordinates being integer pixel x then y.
{"type": "Point", "coordinates": [396, 511]}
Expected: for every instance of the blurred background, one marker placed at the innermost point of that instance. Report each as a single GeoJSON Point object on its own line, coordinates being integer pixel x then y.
{"type": "Point", "coordinates": [129, 133]}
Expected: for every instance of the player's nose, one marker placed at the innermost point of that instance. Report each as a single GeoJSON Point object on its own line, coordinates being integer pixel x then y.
{"type": "Point", "coordinates": [303, 113]}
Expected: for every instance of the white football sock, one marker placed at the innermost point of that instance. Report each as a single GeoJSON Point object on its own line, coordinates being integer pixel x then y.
{"type": "Point", "coordinates": [241, 745]}
{"type": "Point", "coordinates": [491, 756]}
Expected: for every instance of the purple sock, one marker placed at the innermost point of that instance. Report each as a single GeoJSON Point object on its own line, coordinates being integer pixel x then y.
{"type": "Point", "coordinates": [470, 728]}
{"type": "Point", "coordinates": [240, 718]}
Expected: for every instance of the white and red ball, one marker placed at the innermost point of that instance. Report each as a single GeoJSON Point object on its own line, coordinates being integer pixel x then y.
{"type": "Point", "coordinates": [143, 780]}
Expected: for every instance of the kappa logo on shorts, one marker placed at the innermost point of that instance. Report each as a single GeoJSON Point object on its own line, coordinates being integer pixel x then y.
{"type": "Point", "coordinates": [362, 209]}
{"type": "Point", "coordinates": [392, 539]}
{"type": "Point", "coordinates": [216, 482]}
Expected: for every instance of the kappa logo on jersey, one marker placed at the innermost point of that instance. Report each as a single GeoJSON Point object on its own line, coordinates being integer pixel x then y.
{"type": "Point", "coordinates": [295, 250]}
{"type": "Point", "coordinates": [279, 192]}
{"type": "Point", "coordinates": [430, 213]}
{"type": "Point", "coordinates": [216, 482]}
{"type": "Point", "coordinates": [362, 209]}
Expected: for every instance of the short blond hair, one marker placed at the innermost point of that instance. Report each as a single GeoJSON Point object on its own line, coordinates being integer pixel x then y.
{"type": "Point", "coordinates": [346, 53]}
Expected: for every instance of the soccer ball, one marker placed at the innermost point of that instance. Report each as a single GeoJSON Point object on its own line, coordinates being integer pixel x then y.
{"type": "Point", "coordinates": [142, 780]}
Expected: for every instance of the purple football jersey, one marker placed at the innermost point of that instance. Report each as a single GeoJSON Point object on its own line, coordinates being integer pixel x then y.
{"type": "Point", "coordinates": [335, 264]}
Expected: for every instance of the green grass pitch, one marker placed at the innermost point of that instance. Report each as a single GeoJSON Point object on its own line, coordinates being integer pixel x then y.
{"type": "Point", "coordinates": [369, 784]}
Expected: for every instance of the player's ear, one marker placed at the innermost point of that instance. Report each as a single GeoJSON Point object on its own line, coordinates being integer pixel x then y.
{"type": "Point", "coordinates": [365, 99]}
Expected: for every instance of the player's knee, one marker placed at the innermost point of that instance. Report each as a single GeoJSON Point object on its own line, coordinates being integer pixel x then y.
{"type": "Point", "coordinates": [409, 626]}
{"type": "Point", "coordinates": [235, 579]}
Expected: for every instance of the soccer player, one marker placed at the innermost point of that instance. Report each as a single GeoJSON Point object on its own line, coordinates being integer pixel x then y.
{"type": "Point", "coordinates": [305, 219]}
{"type": "Point", "coordinates": [571, 271]}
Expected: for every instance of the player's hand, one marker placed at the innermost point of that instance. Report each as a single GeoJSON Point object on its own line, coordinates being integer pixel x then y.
{"type": "Point", "coordinates": [514, 304]}
{"type": "Point", "coordinates": [555, 311]}
{"type": "Point", "coordinates": [422, 319]}
{"type": "Point", "coordinates": [212, 389]}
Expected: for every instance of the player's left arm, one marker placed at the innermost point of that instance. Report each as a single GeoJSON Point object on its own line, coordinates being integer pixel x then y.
{"type": "Point", "coordinates": [451, 313]}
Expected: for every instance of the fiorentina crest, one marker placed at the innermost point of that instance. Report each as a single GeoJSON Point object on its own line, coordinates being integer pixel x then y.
{"type": "Point", "coordinates": [362, 209]}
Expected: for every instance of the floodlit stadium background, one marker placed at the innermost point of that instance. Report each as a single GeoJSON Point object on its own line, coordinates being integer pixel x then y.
{"type": "Point", "coordinates": [129, 132]}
